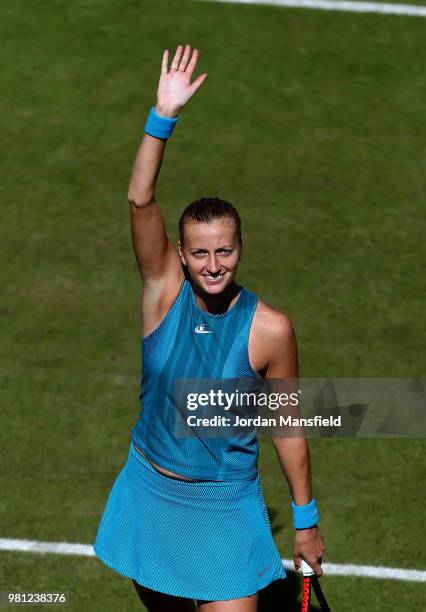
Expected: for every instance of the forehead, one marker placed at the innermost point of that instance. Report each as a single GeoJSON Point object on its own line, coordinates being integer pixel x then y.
{"type": "Point", "coordinates": [214, 232]}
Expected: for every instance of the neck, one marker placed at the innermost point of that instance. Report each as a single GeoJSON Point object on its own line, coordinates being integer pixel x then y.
{"type": "Point", "coordinates": [217, 303]}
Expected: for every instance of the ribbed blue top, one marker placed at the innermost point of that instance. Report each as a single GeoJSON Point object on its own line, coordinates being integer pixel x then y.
{"type": "Point", "coordinates": [177, 350]}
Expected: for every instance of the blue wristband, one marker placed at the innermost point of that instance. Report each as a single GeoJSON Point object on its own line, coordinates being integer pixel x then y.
{"type": "Point", "coordinates": [305, 516]}
{"type": "Point", "coordinates": [159, 127]}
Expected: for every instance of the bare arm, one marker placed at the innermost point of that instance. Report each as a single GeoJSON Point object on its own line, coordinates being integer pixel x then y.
{"type": "Point", "coordinates": [155, 253]}
{"type": "Point", "coordinates": [293, 452]}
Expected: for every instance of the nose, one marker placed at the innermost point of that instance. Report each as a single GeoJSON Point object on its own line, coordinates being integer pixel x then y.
{"type": "Point", "coordinates": [213, 265]}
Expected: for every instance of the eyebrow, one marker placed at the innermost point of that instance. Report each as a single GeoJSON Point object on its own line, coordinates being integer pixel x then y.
{"type": "Point", "coordinates": [218, 248]}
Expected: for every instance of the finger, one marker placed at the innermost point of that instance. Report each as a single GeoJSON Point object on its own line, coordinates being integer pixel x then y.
{"type": "Point", "coordinates": [198, 82]}
{"type": "Point", "coordinates": [297, 560]}
{"type": "Point", "coordinates": [185, 58]}
{"type": "Point", "coordinates": [193, 62]}
{"type": "Point", "coordinates": [175, 62]}
{"type": "Point", "coordinates": [316, 567]}
{"type": "Point", "coordinates": [165, 61]}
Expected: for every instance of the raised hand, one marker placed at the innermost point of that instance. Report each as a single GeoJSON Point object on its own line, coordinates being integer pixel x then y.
{"type": "Point", "coordinates": [175, 87]}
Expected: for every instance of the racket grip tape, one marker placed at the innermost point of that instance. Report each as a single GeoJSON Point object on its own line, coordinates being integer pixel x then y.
{"type": "Point", "coordinates": [306, 569]}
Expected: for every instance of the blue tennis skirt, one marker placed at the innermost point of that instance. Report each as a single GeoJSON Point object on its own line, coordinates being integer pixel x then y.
{"type": "Point", "coordinates": [207, 540]}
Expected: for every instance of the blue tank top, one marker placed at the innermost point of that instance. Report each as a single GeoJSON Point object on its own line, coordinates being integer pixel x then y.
{"type": "Point", "coordinates": [191, 343]}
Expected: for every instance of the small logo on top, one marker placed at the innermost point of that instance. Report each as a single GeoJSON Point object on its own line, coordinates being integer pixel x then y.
{"type": "Point", "coordinates": [202, 328]}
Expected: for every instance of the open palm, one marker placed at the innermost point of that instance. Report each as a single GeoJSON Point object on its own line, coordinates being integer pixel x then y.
{"type": "Point", "coordinates": [175, 87]}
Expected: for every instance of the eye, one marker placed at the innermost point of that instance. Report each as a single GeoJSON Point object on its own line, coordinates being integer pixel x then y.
{"type": "Point", "coordinates": [225, 251]}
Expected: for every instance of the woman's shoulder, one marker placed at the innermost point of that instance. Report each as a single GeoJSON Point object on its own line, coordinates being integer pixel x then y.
{"type": "Point", "coordinates": [270, 321]}
{"type": "Point", "coordinates": [271, 332]}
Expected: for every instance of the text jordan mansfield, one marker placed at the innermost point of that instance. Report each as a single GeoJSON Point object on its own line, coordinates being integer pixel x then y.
{"type": "Point", "coordinates": [258, 421]}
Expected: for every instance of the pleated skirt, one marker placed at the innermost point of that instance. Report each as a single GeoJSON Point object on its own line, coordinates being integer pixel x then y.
{"type": "Point", "coordinates": [207, 540]}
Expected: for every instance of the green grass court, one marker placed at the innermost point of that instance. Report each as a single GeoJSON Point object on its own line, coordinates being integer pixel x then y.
{"type": "Point", "coordinates": [312, 124]}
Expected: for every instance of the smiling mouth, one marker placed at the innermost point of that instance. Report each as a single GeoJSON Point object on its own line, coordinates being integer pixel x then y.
{"type": "Point", "coordinates": [215, 277]}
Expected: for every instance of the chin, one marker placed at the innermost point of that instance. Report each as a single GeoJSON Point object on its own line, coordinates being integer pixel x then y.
{"type": "Point", "coordinates": [213, 289]}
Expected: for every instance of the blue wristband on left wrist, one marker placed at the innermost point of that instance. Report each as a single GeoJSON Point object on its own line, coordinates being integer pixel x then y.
{"type": "Point", "coordinates": [159, 127]}
{"type": "Point", "coordinates": [305, 516]}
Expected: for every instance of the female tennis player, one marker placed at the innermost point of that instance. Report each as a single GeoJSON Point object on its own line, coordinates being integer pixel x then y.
{"type": "Point", "coordinates": [186, 518]}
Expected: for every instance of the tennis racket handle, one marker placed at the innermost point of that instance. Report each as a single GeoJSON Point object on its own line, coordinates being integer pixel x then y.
{"type": "Point", "coordinates": [307, 569]}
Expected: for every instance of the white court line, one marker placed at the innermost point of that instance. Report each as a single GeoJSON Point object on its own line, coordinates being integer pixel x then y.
{"type": "Point", "coordinates": [330, 569]}
{"type": "Point", "coordinates": [60, 548]}
{"type": "Point", "coordinates": [340, 5]}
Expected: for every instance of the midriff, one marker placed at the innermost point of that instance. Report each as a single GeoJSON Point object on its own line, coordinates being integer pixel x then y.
{"type": "Point", "coordinates": [162, 470]}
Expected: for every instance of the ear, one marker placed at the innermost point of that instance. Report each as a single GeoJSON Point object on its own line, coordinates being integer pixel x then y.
{"type": "Point", "coordinates": [242, 249]}
{"type": "Point", "coordinates": [182, 258]}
